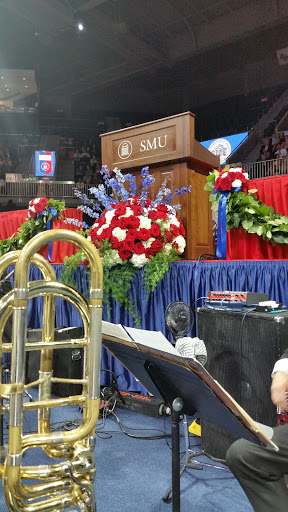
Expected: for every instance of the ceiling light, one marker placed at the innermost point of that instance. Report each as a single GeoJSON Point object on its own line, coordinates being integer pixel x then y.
{"type": "Point", "coordinates": [79, 21]}
{"type": "Point", "coordinates": [24, 78]}
{"type": "Point", "coordinates": [26, 86]}
{"type": "Point", "coordinates": [2, 77]}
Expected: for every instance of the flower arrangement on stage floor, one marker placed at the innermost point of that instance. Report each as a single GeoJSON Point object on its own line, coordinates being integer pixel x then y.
{"type": "Point", "coordinates": [238, 207]}
{"type": "Point", "coordinates": [131, 232]}
{"type": "Point", "coordinates": [41, 213]}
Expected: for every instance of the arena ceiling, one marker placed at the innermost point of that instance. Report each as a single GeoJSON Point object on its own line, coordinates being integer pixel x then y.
{"type": "Point", "coordinates": [152, 53]}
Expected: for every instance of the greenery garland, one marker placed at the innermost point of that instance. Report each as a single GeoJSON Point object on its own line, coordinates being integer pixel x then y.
{"type": "Point", "coordinates": [249, 213]}
{"type": "Point", "coordinates": [117, 280]}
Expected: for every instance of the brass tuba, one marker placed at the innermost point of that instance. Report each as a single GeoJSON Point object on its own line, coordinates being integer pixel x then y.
{"type": "Point", "coordinates": [68, 483]}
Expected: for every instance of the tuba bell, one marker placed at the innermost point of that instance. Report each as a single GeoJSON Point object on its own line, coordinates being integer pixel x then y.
{"type": "Point", "coordinates": [67, 484]}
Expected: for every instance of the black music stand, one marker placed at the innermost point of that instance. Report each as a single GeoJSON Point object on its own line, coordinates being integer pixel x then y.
{"type": "Point", "coordinates": [188, 388]}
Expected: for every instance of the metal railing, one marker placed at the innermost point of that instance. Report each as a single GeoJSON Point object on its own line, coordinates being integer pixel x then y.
{"type": "Point", "coordinates": [60, 190]}
{"type": "Point", "coordinates": [267, 168]}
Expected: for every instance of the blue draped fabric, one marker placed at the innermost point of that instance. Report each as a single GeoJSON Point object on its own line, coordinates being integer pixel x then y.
{"type": "Point", "coordinates": [187, 281]}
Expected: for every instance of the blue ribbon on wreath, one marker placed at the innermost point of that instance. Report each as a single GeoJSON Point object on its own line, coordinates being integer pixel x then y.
{"type": "Point", "coordinates": [49, 225]}
{"type": "Point", "coordinates": [221, 251]}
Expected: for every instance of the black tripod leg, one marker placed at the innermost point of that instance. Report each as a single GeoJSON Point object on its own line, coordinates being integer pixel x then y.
{"type": "Point", "coordinates": [177, 406]}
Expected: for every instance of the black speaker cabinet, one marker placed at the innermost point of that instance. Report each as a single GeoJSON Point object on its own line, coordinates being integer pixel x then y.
{"type": "Point", "coordinates": [67, 362]}
{"type": "Point", "coordinates": [242, 349]}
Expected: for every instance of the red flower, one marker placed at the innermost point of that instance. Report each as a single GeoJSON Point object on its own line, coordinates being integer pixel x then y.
{"type": "Point", "coordinates": [144, 234]}
{"type": "Point", "coordinates": [174, 229]}
{"type": "Point", "coordinates": [115, 244]}
{"type": "Point", "coordinates": [133, 222]}
{"type": "Point", "coordinates": [162, 208]}
{"type": "Point", "coordinates": [155, 215]}
{"type": "Point", "coordinates": [181, 229]}
{"type": "Point", "coordinates": [155, 230]}
{"type": "Point", "coordinates": [131, 234]}
{"type": "Point", "coordinates": [128, 245]}
{"type": "Point", "coordinates": [41, 205]}
{"type": "Point", "coordinates": [120, 209]}
{"type": "Point", "coordinates": [124, 254]}
{"type": "Point", "coordinates": [106, 233]}
{"type": "Point", "coordinates": [85, 262]}
{"type": "Point", "coordinates": [157, 245]}
{"type": "Point", "coordinates": [226, 183]}
{"type": "Point", "coordinates": [149, 252]}
{"type": "Point", "coordinates": [139, 248]}
{"type": "Point", "coordinates": [123, 222]}
{"type": "Point", "coordinates": [137, 210]}
{"type": "Point", "coordinates": [175, 246]}
{"type": "Point", "coordinates": [168, 235]}
{"type": "Point", "coordinates": [114, 223]}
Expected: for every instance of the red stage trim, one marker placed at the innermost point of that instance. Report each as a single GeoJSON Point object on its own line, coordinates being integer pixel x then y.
{"type": "Point", "coordinates": [11, 221]}
{"type": "Point", "coordinates": [245, 246]}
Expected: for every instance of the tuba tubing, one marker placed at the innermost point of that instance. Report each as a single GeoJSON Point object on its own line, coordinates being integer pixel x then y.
{"type": "Point", "coordinates": [76, 487]}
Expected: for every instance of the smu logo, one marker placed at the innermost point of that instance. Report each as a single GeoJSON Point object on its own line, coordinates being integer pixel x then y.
{"type": "Point", "coordinates": [125, 149]}
{"type": "Point", "coordinates": [157, 142]}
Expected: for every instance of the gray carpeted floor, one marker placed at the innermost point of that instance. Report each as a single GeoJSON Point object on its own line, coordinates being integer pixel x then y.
{"type": "Point", "coordinates": [134, 473]}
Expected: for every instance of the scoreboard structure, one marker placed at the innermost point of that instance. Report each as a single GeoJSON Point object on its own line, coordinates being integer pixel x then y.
{"type": "Point", "coordinates": [45, 164]}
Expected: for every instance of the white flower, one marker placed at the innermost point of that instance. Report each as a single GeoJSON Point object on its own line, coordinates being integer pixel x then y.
{"type": "Point", "coordinates": [236, 169]}
{"type": "Point", "coordinates": [139, 260]}
{"type": "Point", "coordinates": [144, 222]}
{"type": "Point", "coordinates": [224, 175]}
{"type": "Point", "coordinates": [167, 248]}
{"type": "Point", "coordinates": [119, 233]}
{"type": "Point", "coordinates": [165, 224]}
{"type": "Point", "coordinates": [174, 220]}
{"type": "Point", "coordinates": [236, 183]}
{"type": "Point", "coordinates": [36, 201]}
{"type": "Point", "coordinates": [180, 241]}
{"type": "Point", "coordinates": [112, 258]}
{"type": "Point", "coordinates": [89, 238]}
{"type": "Point", "coordinates": [246, 175]}
{"type": "Point", "coordinates": [109, 215]}
{"type": "Point", "coordinates": [101, 229]}
{"type": "Point", "coordinates": [148, 243]}
{"type": "Point", "coordinates": [128, 213]}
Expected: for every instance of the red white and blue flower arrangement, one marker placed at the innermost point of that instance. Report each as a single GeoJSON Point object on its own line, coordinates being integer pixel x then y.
{"type": "Point", "coordinates": [41, 213]}
{"type": "Point", "coordinates": [239, 207]}
{"type": "Point", "coordinates": [131, 231]}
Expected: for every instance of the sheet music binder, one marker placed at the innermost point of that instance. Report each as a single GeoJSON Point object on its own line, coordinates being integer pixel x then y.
{"type": "Point", "coordinates": [188, 379]}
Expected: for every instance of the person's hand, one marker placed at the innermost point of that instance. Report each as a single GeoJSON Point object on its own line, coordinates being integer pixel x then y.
{"type": "Point", "coordinates": [279, 388]}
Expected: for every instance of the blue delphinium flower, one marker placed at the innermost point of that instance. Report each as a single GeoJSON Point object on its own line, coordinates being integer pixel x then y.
{"type": "Point", "coordinates": [114, 191]}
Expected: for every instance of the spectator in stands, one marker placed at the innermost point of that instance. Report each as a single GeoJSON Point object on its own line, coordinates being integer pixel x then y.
{"type": "Point", "coordinates": [93, 162]}
{"type": "Point", "coordinates": [80, 184]}
{"type": "Point", "coordinates": [76, 158]}
{"type": "Point", "coordinates": [266, 150]}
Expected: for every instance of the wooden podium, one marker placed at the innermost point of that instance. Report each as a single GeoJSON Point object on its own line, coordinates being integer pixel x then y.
{"type": "Point", "coordinates": [170, 150]}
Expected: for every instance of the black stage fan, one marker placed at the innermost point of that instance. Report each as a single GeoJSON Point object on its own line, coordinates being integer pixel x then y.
{"type": "Point", "coordinates": [179, 319]}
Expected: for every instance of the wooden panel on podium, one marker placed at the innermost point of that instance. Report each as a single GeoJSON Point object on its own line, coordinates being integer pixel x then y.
{"type": "Point", "coordinates": [170, 150]}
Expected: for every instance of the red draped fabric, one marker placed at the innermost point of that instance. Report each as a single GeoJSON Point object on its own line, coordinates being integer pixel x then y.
{"type": "Point", "coordinates": [244, 246]}
{"type": "Point", "coordinates": [11, 221]}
